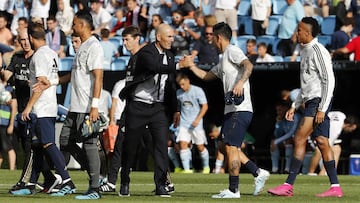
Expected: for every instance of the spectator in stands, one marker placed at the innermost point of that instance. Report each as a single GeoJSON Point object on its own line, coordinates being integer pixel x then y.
{"type": "Point", "coordinates": [352, 47]}
{"type": "Point", "coordinates": [21, 11]}
{"type": "Point", "coordinates": [132, 15]}
{"type": "Point", "coordinates": [251, 50]}
{"type": "Point", "coordinates": [292, 16]}
{"type": "Point", "coordinates": [204, 48]}
{"type": "Point", "coordinates": [263, 56]}
{"type": "Point", "coordinates": [196, 31]}
{"type": "Point", "coordinates": [40, 10]}
{"type": "Point", "coordinates": [341, 37]}
{"type": "Point", "coordinates": [207, 7]}
{"type": "Point", "coordinates": [119, 15]}
{"type": "Point", "coordinates": [55, 37]}
{"type": "Point", "coordinates": [110, 50]}
{"type": "Point", "coordinates": [260, 12]}
{"type": "Point", "coordinates": [186, 8]}
{"type": "Point", "coordinates": [226, 11]}
{"type": "Point", "coordinates": [83, 5]}
{"type": "Point", "coordinates": [165, 9]}
{"type": "Point", "coordinates": [101, 18]}
{"type": "Point", "coordinates": [64, 16]}
{"type": "Point", "coordinates": [181, 43]}
{"type": "Point", "coordinates": [156, 20]}
{"type": "Point", "coordinates": [339, 124]}
{"type": "Point", "coordinates": [6, 37]}
{"type": "Point", "coordinates": [354, 12]}
{"type": "Point", "coordinates": [325, 7]}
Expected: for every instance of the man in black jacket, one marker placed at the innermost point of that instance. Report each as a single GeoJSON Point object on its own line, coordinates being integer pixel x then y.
{"type": "Point", "coordinates": [150, 92]}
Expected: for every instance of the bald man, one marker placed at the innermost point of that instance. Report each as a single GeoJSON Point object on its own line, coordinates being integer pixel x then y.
{"type": "Point", "coordinates": [150, 92]}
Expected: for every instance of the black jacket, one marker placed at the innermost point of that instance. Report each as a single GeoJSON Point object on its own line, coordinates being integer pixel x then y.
{"type": "Point", "coordinates": [145, 64]}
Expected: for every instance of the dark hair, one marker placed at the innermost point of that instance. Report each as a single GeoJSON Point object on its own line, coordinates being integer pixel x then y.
{"type": "Point", "coordinates": [37, 31]}
{"type": "Point", "coordinates": [23, 19]}
{"type": "Point", "coordinates": [198, 13]}
{"type": "Point", "coordinates": [132, 30]}
{"type": "Point", "coordinates": [262, 44]}
{"type": "Point", "coordinates": [74, 34]}
{"type": "Point", "coordinates": [104, 33]}
{"type": "Point", "coordinates": [252, 41]}
{"type": "Point", "coordinates": [3, 15]}
{"type": "Point", "coordinates": [180, 76]}
{"type": "Point", "coordinates": [352, 120]}
{"type": "Point", "coordinates": [51, 18]}
{"type": "Point", "coordinates": [349, 21]}
{"type": "Point", "coordinates": [222, 29]}
{"type": "Point", "coordinates": [315, 28]}
{"type": "Point", "coordinates": [86, 16]}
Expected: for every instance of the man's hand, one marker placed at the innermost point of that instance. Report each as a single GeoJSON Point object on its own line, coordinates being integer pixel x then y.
{"type": "Point", "coordinates": [290, 114]}
{"type": "Point", "coordinates": [94, 114]}
{"type": "Point", "coordinates": [41, 84]}
{"type": "Point", "coordinates": [25, 114]}
{"type": "Point", "coordinates": [10, 129]}
{"type": "Point", "coordinates": [238, 89]}
{"type": "Point", "coordinates": [319, 117]}
{"type": "Point", "coordinates": [186, 61]}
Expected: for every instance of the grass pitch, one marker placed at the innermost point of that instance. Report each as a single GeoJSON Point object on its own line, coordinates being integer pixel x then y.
{"type": "Point", "coordinates": [194, 188]}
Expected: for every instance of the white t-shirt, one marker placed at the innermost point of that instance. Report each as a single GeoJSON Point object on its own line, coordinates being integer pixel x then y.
{"type": "Point", "coordinates": [229, 72]}
{"type": "Point", "coordinates": [89, 57]}
{"type": "Point", "coordinates": [225, 4]}
{"type": "Point", "coordinates": [259, 9]}
{"type": "Point", "coordinates": [39, 10]}
{"type": "Point", "coordinates": [44, 63]}
{"type": "Point", "coordinates": [267, 58]}
{"type": "Point", "coordinates": [336, 125]}
{"type": "Point", "coordinates": [102, 17]}
{"type": "Point", "coordinates": [120, 103]}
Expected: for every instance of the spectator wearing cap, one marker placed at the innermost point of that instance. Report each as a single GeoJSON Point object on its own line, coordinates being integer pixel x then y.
{"type": "Point", "coordinates": [101, 18]}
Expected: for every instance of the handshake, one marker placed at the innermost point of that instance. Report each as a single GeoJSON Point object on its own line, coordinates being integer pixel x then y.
{"type": "Point", "coordinates": [186, 61]}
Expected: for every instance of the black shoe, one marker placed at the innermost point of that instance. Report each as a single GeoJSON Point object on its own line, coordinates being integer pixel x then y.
{"type": "Point", "coordinates": [124, 190]}
{"type": "Point", "coordinates": [170, 188]}
{"type": "Point", "coordinates": [161, 191]}
{"type": "Point", "coordinates": [17, 186]}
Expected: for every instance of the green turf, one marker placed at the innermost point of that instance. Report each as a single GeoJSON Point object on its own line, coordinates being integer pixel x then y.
{"type": "Point", "coordinates": [194, 188]}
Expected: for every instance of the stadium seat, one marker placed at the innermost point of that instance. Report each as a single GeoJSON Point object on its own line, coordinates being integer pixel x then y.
{"type": "Point", "coordinates": [242, 41]}
{"type": "Point", "coordinates": [116, 41]}
{"type": "Point", "coordinates": [244, 7]}
{"type": "Point", "coordinates": [288, 58]}
{"type": "Point", "coordinates": [325, 40]}
{"type": "Point", "coordinates": [274, 22]}
{"type": "Point", "coordinates": [328, 25]}
{"type": "Point", "coordinates": [119, 64]}
{"type": "Point", "coordinates": [66, 63]}
{"type": "Point", "coordinates": [248, 28]}
{"type": "Point", "coordinates": [279, 6]}
{"type": "Point", "coordinates": [278, 58]}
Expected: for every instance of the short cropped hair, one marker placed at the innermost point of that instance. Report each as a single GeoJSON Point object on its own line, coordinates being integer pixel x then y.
{"type": "Point", "coordinates": [37, 31]}
{"type": "Point", "coordinates": [222, 29]}
{"type": "Point", "coordinates": [132, 30]}
{"type": "Point", "coordinates": [86, 16]}
{"type": "Point", "coordinates": [315, 28]}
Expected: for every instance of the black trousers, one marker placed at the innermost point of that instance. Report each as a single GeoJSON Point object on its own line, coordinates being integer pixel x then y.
{"type": "Point", "coordinates": [138, 116]}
